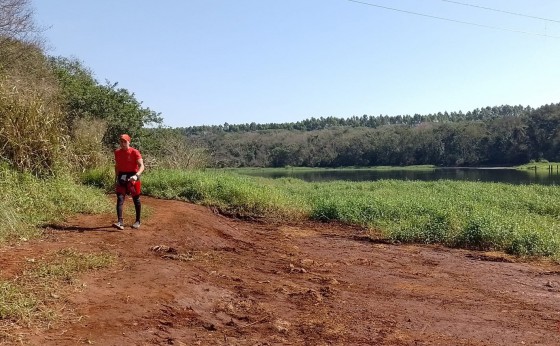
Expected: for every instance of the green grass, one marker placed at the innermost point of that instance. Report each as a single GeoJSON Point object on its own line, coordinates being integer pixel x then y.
{"type": "Point", "coordinates": [16, 303]}
{"type": "Point", "coordinates": [523, 220]}
{"type": "Point", "coordinates": [29, 298]}
{"type": "Point", "coordinates": [238, 195]}
{"type": "Point", "coordinates": [541, 166]}
{"type": "Point", "coordinates": [26, 202]}
{"type": "Point", "coordinates": [68, 263]}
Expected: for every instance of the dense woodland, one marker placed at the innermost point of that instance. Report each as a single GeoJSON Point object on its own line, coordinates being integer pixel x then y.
{"type": "Point", "coordinates": [491, 136]}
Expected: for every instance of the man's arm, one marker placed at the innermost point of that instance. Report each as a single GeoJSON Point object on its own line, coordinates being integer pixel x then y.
{"type": "Point", "coordinates": [140, 170]}
{"type": "Point", "coordinates": [140, 166]}
{"type": "Point", "coordinates": [116, 169]}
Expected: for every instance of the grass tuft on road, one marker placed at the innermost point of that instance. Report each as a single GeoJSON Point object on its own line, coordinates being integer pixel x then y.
{"type": "Point", "coordinates": [31, 298]}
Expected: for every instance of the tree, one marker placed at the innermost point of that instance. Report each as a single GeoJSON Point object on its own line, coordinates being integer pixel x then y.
{"type": "Point", "coordinates": [16, 20]}
{"type": "Point", "coordinates": [84, 97]}
{"type": "Point", "coordinates": [18, 32]}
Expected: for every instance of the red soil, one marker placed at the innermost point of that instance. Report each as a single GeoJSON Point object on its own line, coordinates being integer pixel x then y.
{"type": "Point", "coordinates": [193, 277]}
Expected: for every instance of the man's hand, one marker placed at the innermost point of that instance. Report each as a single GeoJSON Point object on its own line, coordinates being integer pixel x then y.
{"type": "Point", "coordinates": [133, 178]}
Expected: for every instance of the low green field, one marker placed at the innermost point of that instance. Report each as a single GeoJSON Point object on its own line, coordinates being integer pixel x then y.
{"type": "Point", "coordinates": [540, 167]}
{"type": "Point", "coordinates": [522, 220]}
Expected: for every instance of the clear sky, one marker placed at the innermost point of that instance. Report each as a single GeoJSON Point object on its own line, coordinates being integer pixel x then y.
{"type": "Point", "coordinates": [207, 62]}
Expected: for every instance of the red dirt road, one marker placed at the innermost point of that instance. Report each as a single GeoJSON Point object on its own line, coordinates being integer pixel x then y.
{"type": "Point", "coordinates": [192, 277]}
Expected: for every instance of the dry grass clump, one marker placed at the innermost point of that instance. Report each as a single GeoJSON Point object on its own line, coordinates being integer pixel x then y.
{"type": "Point", "coordinates": [32, 127]}
{"type": "Point", "coordinates": [85, 150]}
{"type": "Point", "coordinates": [174, 151]}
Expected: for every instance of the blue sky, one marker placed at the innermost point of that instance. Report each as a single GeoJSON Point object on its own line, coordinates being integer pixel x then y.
{"type": "Point", "coordinates": [207, 62]}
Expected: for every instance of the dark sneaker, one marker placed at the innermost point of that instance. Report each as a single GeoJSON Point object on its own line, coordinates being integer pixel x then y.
{"type": "Point", "coordinates": [118, 225]}
{"type": "Point", "coordinates": [136, 225]}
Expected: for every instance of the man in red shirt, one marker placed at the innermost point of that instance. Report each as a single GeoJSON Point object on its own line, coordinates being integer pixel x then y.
{"type": "Point", "coordinates": [128, 168]}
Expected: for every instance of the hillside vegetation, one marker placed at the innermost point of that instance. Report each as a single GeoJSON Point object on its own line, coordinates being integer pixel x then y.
{"type": "Point", "coordinates": [491, 136]}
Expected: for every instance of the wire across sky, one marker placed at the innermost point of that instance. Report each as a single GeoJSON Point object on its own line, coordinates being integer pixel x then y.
{"type": "Point", "coordinates": [463, 22]}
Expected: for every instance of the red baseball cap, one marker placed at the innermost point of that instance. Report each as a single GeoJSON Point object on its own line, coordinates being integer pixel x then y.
{"type": "Point", "coordinates": [125, 137]}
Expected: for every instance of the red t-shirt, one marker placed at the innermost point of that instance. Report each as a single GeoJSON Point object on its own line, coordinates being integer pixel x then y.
{"type": "Point", "coordinates": [127, 160]}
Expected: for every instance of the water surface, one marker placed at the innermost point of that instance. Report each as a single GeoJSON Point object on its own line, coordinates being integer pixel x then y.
{"type": "Point", "coordinates": [503, 175]}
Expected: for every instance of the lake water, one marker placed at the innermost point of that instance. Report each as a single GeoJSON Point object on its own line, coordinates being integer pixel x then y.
{"type": "Point", "coordinates": [502, 175]}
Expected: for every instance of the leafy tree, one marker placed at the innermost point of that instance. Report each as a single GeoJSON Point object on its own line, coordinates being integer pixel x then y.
{"type": "Point", "coordinates": [509, 141]}
{"type": "Point", "coordinates": [84, 97]}
{"type": "Point", "coordinates": [280, 156]}
{"type": "Point", "coordinates": [543, 129]}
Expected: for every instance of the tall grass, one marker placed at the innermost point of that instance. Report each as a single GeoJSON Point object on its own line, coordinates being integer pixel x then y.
{"type": "Point", "coordinates": [522, 220]}
{"type": "Point", "coordinates": [232, 194]}
{"type": "Point", "coordinates": [27, 202]}
{"type": "Point", "coordinates": [85, 150]}
{"type": "Point", "coordinates": [32, 129]}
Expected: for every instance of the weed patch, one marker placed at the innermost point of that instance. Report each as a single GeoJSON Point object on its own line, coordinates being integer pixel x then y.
{"type": "Point", "coordinates": [31, 298]}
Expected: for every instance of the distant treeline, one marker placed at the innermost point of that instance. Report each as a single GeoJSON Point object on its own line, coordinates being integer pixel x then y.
{"type": "Point", "coordinates": [365, 120]}
{"type": "Point", "coordinates": [505, 135]}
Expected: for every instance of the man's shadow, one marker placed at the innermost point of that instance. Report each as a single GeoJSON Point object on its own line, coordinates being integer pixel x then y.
{"type": "Point", "coordinates": [79, 229]}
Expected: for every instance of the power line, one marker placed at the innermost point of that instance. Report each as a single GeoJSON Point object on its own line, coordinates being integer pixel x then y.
{"type": "Point", "coordinates": [454, 20]}
{"type": "Point", "coordinates": [502, 11]}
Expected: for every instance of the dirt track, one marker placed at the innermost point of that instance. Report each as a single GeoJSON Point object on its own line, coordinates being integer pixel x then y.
{"type": "Point", "coordinates": [192, 277]}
